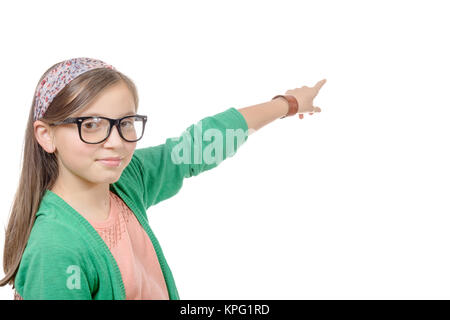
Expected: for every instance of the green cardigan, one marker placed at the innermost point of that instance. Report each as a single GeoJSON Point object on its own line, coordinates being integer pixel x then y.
{"type": "Point", "coordinates": [65, 258]}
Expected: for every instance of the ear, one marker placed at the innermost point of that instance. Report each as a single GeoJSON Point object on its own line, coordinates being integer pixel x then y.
{"type": "Point", "coordinates": [44, 135]}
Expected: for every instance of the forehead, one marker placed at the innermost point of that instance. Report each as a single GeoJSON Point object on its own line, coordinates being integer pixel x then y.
{"type": "Point", "coordinates": [114, 102]}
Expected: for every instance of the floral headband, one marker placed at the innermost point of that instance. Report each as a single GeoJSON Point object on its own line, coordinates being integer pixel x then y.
{"type": "Point", "coordinates": [59, 77]}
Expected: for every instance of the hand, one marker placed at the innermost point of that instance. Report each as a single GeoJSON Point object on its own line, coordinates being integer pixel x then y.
{"type": "Point", "coordinates": [305, 96]}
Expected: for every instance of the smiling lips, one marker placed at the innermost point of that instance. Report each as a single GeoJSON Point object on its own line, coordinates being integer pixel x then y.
{"type": "Point", "coordinates": [111, 161]}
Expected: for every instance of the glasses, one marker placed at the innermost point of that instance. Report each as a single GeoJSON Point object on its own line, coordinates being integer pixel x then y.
{"type": "Point", "coordinates": [95, 130]}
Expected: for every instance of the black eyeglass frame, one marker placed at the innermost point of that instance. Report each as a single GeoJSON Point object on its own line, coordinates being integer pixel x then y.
{"type": "Point", "coordinates": [112, 122]}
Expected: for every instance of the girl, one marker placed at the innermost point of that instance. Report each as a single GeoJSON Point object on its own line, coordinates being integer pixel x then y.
{"type": "Point", "coordinates": [78, 227]}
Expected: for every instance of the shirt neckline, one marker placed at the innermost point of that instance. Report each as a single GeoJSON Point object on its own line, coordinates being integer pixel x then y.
{"type": "Point", "coordinates": [101, 224]}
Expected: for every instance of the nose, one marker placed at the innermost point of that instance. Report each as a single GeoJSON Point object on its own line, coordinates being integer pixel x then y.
{"type": "Point", "coordinates": [114, 137]}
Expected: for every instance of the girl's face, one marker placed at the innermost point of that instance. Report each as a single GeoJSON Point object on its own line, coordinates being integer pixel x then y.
{"type": "Point", "coordinates": [78, 159]}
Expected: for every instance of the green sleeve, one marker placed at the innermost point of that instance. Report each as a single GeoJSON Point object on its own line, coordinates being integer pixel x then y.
{"type": "Point", "coordinates": [201, 147]}
{"type": "Point", "coordinates": [52, 273]}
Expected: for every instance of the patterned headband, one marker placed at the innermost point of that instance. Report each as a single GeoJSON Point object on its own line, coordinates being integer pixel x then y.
{"type": "Point", "coordinates": [59, 77]}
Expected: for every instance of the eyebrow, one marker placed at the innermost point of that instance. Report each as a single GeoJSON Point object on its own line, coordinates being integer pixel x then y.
{"type": "Point", "coordinates": [95, 114]}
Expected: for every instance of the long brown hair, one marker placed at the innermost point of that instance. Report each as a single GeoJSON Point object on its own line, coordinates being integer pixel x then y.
{"type": "Point", "coordinates": [39, 168]}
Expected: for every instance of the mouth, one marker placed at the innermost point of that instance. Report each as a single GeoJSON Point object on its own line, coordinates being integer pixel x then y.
{"type": "Point", "coordinates": [111, 161]}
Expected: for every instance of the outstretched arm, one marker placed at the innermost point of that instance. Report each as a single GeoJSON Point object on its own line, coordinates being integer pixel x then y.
{"type": "Point", "coordinates": [259, 115]}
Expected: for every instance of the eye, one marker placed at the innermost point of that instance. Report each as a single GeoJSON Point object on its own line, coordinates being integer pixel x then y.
{"type": "Point", "coordinates": [91, 124]}
{"type": "Point", "coordinates": [127, 123]}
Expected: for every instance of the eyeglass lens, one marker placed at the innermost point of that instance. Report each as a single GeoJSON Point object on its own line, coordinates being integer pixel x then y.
{"type": "Point", "coordinates": [95, 129]}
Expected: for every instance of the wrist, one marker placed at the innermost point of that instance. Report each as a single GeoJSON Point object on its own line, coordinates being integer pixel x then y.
{"type": "Point", "coordinates": [281, 105]}
{"type": "Point", "coordinates": [291, 102]}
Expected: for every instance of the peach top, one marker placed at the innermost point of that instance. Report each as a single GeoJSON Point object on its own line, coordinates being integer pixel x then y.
{"type": "Point", "coordinates": [133, 251]}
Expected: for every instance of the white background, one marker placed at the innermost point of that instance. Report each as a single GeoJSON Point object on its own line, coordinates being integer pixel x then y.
{"type": "Point", "coordinates": [351, 203]}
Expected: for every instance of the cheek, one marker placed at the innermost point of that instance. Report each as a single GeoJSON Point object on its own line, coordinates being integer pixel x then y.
{"type": "Point", "coordinates": [74, 153]}
{"type": "Point", "coordinates": [130, 151]}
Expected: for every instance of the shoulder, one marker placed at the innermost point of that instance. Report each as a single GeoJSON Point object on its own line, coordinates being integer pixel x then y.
{"type": "Point", "coordinates": [49, 230]}
{"type": "Point", "coordinates": [56, 240]}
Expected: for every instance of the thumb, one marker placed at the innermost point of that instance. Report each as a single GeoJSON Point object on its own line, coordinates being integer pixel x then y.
{"type": "Point", "coordinates": [315, 109]}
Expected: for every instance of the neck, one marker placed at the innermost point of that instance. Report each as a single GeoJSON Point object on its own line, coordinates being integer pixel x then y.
{"type": "Point", "coordinates": [92, 201]}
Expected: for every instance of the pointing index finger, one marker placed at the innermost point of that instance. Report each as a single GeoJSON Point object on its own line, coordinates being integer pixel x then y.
{"type": "Point", "coordinates": [320, 84]}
